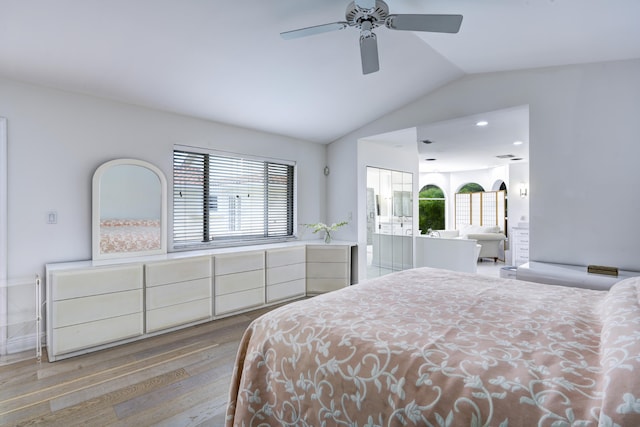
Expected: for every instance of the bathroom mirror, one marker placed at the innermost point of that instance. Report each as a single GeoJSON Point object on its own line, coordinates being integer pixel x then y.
{"type": "Point", "coordinates": [129, 210]}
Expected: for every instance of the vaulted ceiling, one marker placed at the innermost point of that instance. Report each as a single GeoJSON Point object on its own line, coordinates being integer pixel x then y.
{"type": "Point", "coordinates": [224, 60]}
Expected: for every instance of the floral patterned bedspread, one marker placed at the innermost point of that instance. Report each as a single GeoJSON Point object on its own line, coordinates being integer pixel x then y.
{"type": "Point", "coordinates": [428, 347]}
{"type": "Point", "coordinates": [129, 235]}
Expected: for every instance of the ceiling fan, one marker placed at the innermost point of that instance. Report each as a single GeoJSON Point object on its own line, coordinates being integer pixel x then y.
{"type": "Point", "coordinates": [367, 15]}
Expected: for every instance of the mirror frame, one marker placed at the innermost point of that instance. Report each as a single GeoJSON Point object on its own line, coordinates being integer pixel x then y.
{"type": "Point", "coordinates": [96, 208]}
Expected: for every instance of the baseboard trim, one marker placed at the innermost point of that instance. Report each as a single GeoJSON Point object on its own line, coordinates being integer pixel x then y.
{"type": "Point", "coordinates": [23, 343]}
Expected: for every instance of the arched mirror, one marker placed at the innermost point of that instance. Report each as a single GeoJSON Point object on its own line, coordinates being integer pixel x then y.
{"type": "Point", "coordinates": [129, 210]}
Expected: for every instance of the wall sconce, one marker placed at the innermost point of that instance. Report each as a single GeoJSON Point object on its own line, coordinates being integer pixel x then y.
{"type": "Point", "coordinates": [523, 190]}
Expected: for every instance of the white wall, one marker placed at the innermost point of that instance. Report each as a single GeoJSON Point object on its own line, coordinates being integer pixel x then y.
{"type": "Point", "coordinates": [3, 233]}
{"type": "Point", "coordinates": [518, 207]}
{"type": "Point", "coordinates": [583, 128]}
{"type": "Point", "coordinates": [57, 140]}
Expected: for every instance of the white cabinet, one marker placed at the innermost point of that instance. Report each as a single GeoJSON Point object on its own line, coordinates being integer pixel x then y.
{"type": "Point", "coordinates": [238, 281]}
{"type": "Point", "coordinates": [328, 268]}
{"type": "Point", "coordinates": [520, 245]}
{"type": "Point", "coordinates": [286, 271]}
{"type": "Point", "coordinates": [178, 292]}
{"type": "Point", "coordinates": [93, 306]}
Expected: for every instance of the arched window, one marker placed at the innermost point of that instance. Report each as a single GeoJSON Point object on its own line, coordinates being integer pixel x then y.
{"type": "Point", "coordinates": [431, 203]}
{"type": "Point", "coordinates": [471, 187]}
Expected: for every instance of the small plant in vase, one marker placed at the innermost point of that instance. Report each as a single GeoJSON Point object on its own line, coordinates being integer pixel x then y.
{"type": "Point", "coordinates": [320, 226]}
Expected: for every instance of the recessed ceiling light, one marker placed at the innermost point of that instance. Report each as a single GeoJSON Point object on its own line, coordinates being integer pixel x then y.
{"type": "Point", "coordinates": [517, 143]}
{"type": "Point", "coordinates": [426, 141]}
{"type": "Point", "coordinates": [482, 123]}
{"type": "Point", "coordinates": [431, 159]}
{"type": "Point", "coordinates": [516, 158]}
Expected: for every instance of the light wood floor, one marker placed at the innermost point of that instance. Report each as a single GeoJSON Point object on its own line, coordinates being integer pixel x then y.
{"type": "Point", "coordinates": [178, 379]}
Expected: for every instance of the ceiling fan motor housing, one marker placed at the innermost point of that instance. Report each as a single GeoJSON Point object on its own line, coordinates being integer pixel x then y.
{"type": "Point", "coordinates": [356, 16]}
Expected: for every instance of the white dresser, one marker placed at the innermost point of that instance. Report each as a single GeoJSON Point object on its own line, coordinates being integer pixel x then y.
{"type": "Point", "coordinates": [239, 281]}
{"type": "Point", "coordinates": [328, 268]}
{"type": "Point", "coordinates": [95, 305]}
{"type": "Point", "coordinates": [177, 292]}
{"type": "Point", "coordinates": [519, 245]}
{"type": "Point", "coordinates": [89, 307]}
{"type": "Point", "coordinates": [286, 274]}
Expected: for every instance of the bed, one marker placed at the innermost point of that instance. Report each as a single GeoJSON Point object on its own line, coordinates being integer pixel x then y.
{"type": "Point", "coordinates": [129, 235]}
{"type": "Point", "coordinates": [432, 347]}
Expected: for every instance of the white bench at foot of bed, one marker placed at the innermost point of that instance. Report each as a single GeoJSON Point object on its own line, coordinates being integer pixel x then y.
{"type": "Point", "coordinates": [569, 275]}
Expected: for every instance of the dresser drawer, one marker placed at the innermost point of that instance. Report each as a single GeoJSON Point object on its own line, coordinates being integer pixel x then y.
{"type": "Point", "coordinates": [236, 263]}
{"type": "Point", "coordinates": [178, 293]}
{"type": "Point", "coordinates": [91, 334]}
{"type": "Point", "coordinates": [285, 273]}
{"type": "Point", "coordinates": [327, 270]}
{"type": "Point", "coordinates": [181, 270]}
{"type": "Point", "coordinates": [178, 314]}
{"type": "Point", "coordinates": [285, 256]}
{"type": "Point", "coordinates": [281, 291]}
{"type": "Point", "coordinates": [320, 286]}
{"type": "Point", "coordinates": [88, 309]}
{"type": "Point", "coordinates": [238, 301]}
{"type": "Point", "coordinates": [103, 280]}
{"type": "Point", "coordinates": [328, 253]}
{"type": "Point", "coordinates": [237, 282]}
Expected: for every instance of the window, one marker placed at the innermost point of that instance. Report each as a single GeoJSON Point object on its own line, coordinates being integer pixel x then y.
{"type": "Point", "coordinates": [471, 187]}
{"type": "Point", "coordinates": [431, 208]}
{"type": "Point", "coordinates": [225, 199]}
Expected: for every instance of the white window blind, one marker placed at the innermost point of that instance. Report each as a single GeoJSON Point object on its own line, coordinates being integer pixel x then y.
{"type": "Point", "coordinates": [224, 199]}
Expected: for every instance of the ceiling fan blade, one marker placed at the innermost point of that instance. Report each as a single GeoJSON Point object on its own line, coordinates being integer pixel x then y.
{"type": "Point", "coordinates": [369, 53]}
{"type": "Point", "coordinates": [431, 23]}
{"type": "Point", "coordinates": [365, 4]}
{"type": "Point", "coordinates": [310, 31]}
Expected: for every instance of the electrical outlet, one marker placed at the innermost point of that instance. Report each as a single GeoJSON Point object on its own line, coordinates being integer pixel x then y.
{"type": "Point", "coordinates": [52, 217]}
